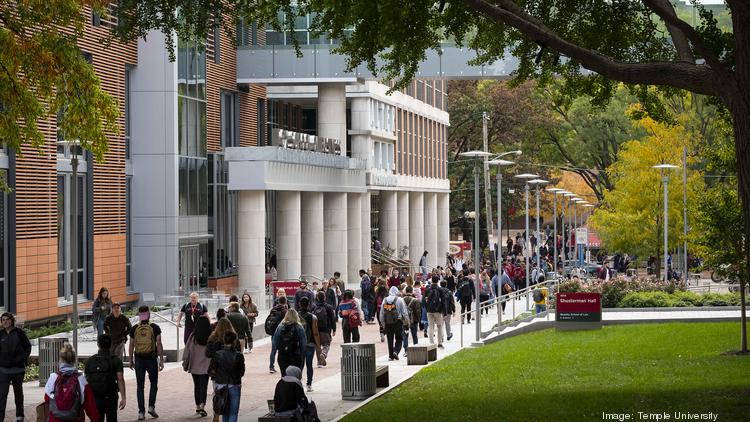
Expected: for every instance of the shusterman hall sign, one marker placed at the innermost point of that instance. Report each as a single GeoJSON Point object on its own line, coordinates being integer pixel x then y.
{"type": "Point", "coordinates": [294, 140]}
{"type": "Point", "coordinates": [576, 311]}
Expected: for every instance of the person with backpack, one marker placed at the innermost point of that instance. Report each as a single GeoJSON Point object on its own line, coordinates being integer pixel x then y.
{"type": "Point", "coordinates": [450, 308]}
{"type": "Point", "coordinates": [147, 357]}
{"type": "Point", "coordinates": [104, 373]}
{"type": "Point", "coordinates": [195, 361]}
{"type": "Point", "coordinates": [394, 315]}
{"type": "Point", "coordinates": [277, 314]}
{"type": "Point", "coordinates": [326, 325]}
{"type": "Point", "coordinates": [190, 311]}
{"type": "Point", "coordinates": [69, 395]}
{"type": "Point", "coordinates": [290, 341]}
{"type": "Point", "coordinates": [239, 322]}
{"type": "Point", "coordinates": [415, 313]}
{"type": "Point", "coordinates": [368, 296]}
{"type": "Point", "coordinates": [465, 295]}
{"type": "Point", "coordinates": [227, 368]}
{"type": "Point", "coordinates": [434, 302]}
{"type": "Point", "coordinates": [15, 349]}
{"type": "Point", "coordinates": [117, 326]}
{"type": "Point", "coordinates": [350, 315]}
{"type": "Point", "coordinates": [312, 338]}
{"type": "Point", "coordinates": [539, 294]}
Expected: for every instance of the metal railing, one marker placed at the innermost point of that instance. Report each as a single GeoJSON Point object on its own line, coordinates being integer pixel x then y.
{"type": "Point", "coordinates": [505, 298]}
{"type": "Point", "coordinates": [170, 321]}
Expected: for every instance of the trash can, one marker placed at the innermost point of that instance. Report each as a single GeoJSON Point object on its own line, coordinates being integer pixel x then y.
{"type": "Point", "coordinates": [357, 371]}
{"type": "Point", "coordinates": [49, 356]}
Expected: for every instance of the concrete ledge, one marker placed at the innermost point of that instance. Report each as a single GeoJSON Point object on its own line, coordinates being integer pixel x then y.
{"type": "Point", "coordinates": [679, 309]}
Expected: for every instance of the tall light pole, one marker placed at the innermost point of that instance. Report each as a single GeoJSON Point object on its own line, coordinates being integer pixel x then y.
{"type": "Point", "coordinates": [589, 206]}
{"type": "Point", "coordinates": [526, 246]}
{"type": "Point", "coordinates": [665, 181]}
{"type": "Point", "coordinates": [684, 210]}
{"type": "Point", "coordinates": [579, 254]}
{"type": "Point", "coordinates": [486, 177]}
{"type": "Point", "coordinates": [476, 155]}
{"type": "Point", "coordinates": [537, 183]}
{"type": "Point", "coordinates": [499, 164]}
{"type": "Point", "coordinates": [554, 236]}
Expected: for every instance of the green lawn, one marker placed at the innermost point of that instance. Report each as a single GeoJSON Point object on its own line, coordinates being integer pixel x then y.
{"type": "Point", "coordinates": [575, 376]}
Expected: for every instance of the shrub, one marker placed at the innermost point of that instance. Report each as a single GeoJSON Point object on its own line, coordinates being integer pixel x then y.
{"type": "Point", "coordinates": [677, 299]}
{"type": "Point", "coordinates": [646, 300]}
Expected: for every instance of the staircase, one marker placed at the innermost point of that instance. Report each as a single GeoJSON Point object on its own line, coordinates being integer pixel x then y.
{"type": "Point", "coordinates": [383, 261]}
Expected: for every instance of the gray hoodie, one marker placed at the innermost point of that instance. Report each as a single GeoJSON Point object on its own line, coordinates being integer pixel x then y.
{"type": "Point", "coordinates": [403, 312]}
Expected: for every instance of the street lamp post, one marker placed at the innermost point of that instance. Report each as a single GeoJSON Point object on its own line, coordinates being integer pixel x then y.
{"type": "Point", "coordinates": [567, 248]}
{"type": "Point", "coordinates": [476, 155]}
{"type": "Point", "coordinates": [665, 181]}
{"type": "Point", "coordinates": [554, 236]}
{"type": "Point", "coordinates": [526, 246]}
{"type": "Point", "coordinates": [499, 248]}
{"type": "Point", "coordinates": [588, 247]}
{"type": "Point", "coordinates": [537, 183]}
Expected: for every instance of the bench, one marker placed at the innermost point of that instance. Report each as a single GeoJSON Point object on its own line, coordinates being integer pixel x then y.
{"type": "Point", "coordinates": [421, 354]}
{"type": "Point", "coordinates": [381, 376]}
{"type": "Point", "coordinates": [271, 417]}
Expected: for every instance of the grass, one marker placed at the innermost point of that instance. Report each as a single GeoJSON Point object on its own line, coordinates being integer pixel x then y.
{"type": "Point", "coordinates": [575, 376]}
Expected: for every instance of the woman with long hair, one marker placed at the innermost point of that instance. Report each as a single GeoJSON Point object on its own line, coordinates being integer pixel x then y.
{"type": "Point", "coordinates": [332, 293]}
{"type": "Point", "coordinates": [67, 374]}
{"type": "Point", "coordinates": [485, 290]}
{"type": "Point", "coordinates": [290, 341]}
{"type": "Point", "coordinates": [251, 312]}
{"type": "Point", "coordinates": [216, 339]}
{"type": "Point", "coordinates": [100, 309]}
{"type": "Point", "coordinates": [195, 361]}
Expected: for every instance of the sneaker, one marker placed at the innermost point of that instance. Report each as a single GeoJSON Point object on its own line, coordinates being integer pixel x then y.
{"type": "Point", "coordinates": [395, 356]}
{"type": "Point", "coordinates": [425, 334]}
{"type": "Point", "coordinates": [405, 354]}
{"type": "Point", "coordinates": [309, 388]}
{"type": "Point", "coordinates": [141, 416]}
{"type": "Point", "coordinates": [202, 413]}
{"type": "Point", "coordinates": [450, 336]}
{"type": "Point", "coordinates": [152, 412]}
{"type": "Point", "coordinates": [320, 366]}
{"type": "Point", "coordinates": [390, 358]}
{"type": "Point", "coordinates": [440, 346]}
{"type": "Point", "coordinates": [382, 338]}
{"type": "Point", "coordinates": [271, 370]}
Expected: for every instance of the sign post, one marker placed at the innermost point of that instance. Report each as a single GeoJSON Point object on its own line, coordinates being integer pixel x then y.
{"type": "Point", "coordinates": [582, 239]}
{"type": "Point", "coordinates": [578, 311]}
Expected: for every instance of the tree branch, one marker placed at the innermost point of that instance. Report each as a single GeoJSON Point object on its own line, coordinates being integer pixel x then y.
{"type": "Point", "coordinates": [696, 78]}
{"type": "Point", "coordinates": [679, 38]}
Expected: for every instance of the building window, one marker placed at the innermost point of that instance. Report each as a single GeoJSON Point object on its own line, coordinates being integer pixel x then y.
{"type": "Point", "coordinates": [229, 119]}
{"type": "Point", "coordinates": [67, 271]}
{"type": "Point", "coordinates": [223, 220]}
{"type": "Point", "coordinates": [128, 230]}
{"type": "Point", "coordinates": [128, 71]}
{"type": "Point", "coordinates": [262, 139]}
{"type": "Point", "coordinates": [4, 245]}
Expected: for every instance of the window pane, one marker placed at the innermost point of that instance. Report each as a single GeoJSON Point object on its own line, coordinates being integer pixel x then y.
{"type": "Point", "coordinates": [193, 187]}
{"type": "Point", "coordinates": [81, 218]}
{"type": "Point", "coordinates": [201, 152]}
{"type": "Point", "coordinates": [192, 128]}
{"type": "Point", "coordinates": [200, 57]}
{"type": "Point", "coordinates": [60, 235]}
{"type": "Point", "coordinates": [182, 124]}
{"type": "Point", "coordinates": [183, 195]}
{"type": "Point", "coordinates": [203, 186]}
{"type": "Point", "coordinates": [182, 67]}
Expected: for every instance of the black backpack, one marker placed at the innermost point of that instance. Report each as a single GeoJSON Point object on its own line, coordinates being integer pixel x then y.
{"type": "Point", "coordinates": [306, 319]}
{"type": "Point", "coordinates": [321, 313]}
{"type": "Point", "coordinates": [272, 321]}
{"type": "Point", "coordinates": [390, 312]}
{"type": "Point", "coordinates": [288, 341]}
{"type": "Point", "coordinates": [98, 371]}
{"type": "Point", "coordinates": [464, 290]}
{"type": "Point", "coordinates": [415, 308]}
{"type": "Point", "coordinates": [434, 300]}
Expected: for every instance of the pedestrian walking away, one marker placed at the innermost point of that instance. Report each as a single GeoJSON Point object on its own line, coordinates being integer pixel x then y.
{"type": "Point", "coordinates": [415, 313]}
{"type": "Point", "coordinates": [368, 296]}
{"type": "Point", "coordinates": [227, 368]}
{"type": "Point", "coordinates": [195, 361]}
{"type": "Point", "coordinates": [251, 312]}
{"type": "Point", "coordinates": [147, 357]}
{"type": "Point", "coordinates": [67, 393]}
{"type": "Point", "coordinates": [290, 341]}
{"type": "Point", "coordinates": [312, 338]}
{"type": "Point", "coordinates": [190, 311]}
{"type": "Point", "coordinates": [104, 373]}
{"type": "Point", "coordinates": [350, 315]}
{"type": "Point", "coordinates": [434, 300]}
{"type": "Point", "coordinates": [465, 297]}
{"type": "Point", "coordinates": [15, 349]}
{"type": "Point", "coordinates": [100, 309]}
{"type": "Point", "coordinates": [450, 308]}
{"type": "Point", "coordinates": [118, 327]}
{"type": "Point", "coordinates": [326, 316]}
{"type": "Point", "coordinates": [395, 316]}
{"type": "Point", "coordinates": [273, 320]}
{"type": "Point", "coordinates": [240, 323]}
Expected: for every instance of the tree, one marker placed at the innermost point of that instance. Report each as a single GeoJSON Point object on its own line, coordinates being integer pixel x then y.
{"type": "Point", "coordinates": [630, 218]}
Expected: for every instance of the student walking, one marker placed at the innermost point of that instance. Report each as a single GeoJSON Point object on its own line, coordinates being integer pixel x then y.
{"type": "Point", "coordinates": [251, 312]}
{"type": "Point", "coordinates": [100, 309]}
{"type": "Point", "coordinates": [326, 325]}
{"type": "Point", "coordinates": [290, 341]}
{"type": "Point", "coordinates": [415, 313]}
{"type": "Point", "coordinates": [240, 323]}
{"type": "Point", "coordinates": [228, 367]}
{"type": "Point", "coordinates": [394, 315]}
{"type": "Point", "coordinates": [303, 291]}
{"type": "Point", "coordinates": [195, 361]}
{"type": "Point", "coordinates": [147, 357]}
{"type": "Point", "coordinates": [350, 315]}
{"type": "Point", "coordinates": [466, 296]}
{"type": "Point", "coordinates": [435, 303]}
{"type": "Point", "coordinates": [450, 309]}
{"type": "Point", "coordinates": [312, 338]}
{"type": "Point", "coordinates": [118, 327]}
{"type": "Point", "coordinates": [191, 311]}
{"type": "Point", "coordinates": [104, 373]}
{"type": "Point", "coordinates": [15, 349]}
{"type": "Point", "coordinates": [67, 391]}
{"type": "Point", "coordinates": [277, 314]}
{"type": "Point", "coordinates": [368, 296]}
{"type": "Point", "coordinates": [539, 295]}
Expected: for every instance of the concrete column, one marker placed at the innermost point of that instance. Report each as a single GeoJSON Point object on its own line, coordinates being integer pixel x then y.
{"type": "Point", "coordinates": [366, 232]}
{"type": "Point", "coordinates": [288, 232]}
{"type": "Point", "coordinates": [416, 226]}
{"type": "Point", "coordinates": [402, 221]}
{"type": "Point", "coordinates": [443, 225]}
{"type": "Point", "coordinates": [354, 233]}
{"type": "Point", "coordinates": [360, 121]}
{"type": "Point", "coordinates": [313, 244]}
{"type": "Point", "coordinates": [251, 243]}
{"type": "Point", "coordinates": [335, 234]}
{"type": "Point", "coordinates": [388, 220]}
{"type": "Point", "coordinates": [430, 229]}
{"type": "Point", "coordinates": [332, 112]}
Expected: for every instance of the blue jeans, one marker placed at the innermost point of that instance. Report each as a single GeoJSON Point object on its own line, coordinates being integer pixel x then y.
{"type": "Point", "coordinates": [414, 329]}
{"type": "Point", "coordinates": [233, 405]}
{"type": "Point", "coordinates": [142, 367]}
{"type": "Point", "coordinates": [424, 317]}
{"type": "Point", "coordinates": [540, 308]}
{"type": "Point", "coordinates": [309, 354]}
{"type": "Point", "coordinates": [273, 355]}
{"type": "Point", "coordinates": [99, 327]}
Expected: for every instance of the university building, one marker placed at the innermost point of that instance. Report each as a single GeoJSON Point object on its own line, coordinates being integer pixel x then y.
{"type": "Point", "coordinates": [219, 173]}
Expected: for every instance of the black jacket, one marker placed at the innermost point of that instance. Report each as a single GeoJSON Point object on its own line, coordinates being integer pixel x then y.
{"type": "Point", "coordinates": [288, 396]}
{"type": "Point", "coordinates": [118, 328]}
{"type": "Point", "coordinates": [227, 366]}
{"type": "Point", "coordinates": [15, 348]}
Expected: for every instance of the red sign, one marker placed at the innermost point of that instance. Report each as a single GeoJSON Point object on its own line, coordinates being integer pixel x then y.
{"type": "Point", "coordinates": [578, 307]}
{"type": "Point", "coordinates": [290, 287]}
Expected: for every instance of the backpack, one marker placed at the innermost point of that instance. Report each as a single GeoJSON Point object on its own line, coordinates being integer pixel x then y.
{"type": "Point", "coordinates": [288, 341]}
{"type": "Point", "coordinates": [354, 319]}
{"type": "Point", "coordinates": [272, 321]}
{"type": "Point", "coordinates": [65, 405]}
{"type": "Point", "coordinates": [321, 313]}
{"type": "Point", "coordinates": [415, 308]}
{"type": "Point", "coordinates": [306, 320]}
{"type": "Point", "coordinates": [144, 340]}
{"type": "Point", "coordinates": [366, 287]}
{"type": "Point", "coordinates": [98, 370]}
{"type": "Point", "coordinates": [390, 313]}
{"type": "Point", "coordinates": [464, 290]}
{"type": "Point", "coordinates": [434, 300]}
{"type": "Point", "coordinates": [537, 295]}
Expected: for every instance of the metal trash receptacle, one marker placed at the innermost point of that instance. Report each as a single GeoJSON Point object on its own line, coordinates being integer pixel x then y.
{"type": "Point", "coordinates": [49, 356]}
{"type": "Point", "coordinates": [357, 371]}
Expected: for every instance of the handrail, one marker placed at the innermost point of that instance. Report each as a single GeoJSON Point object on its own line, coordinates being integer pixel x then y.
{"type": "Point", "coordinates": [177, 338]}
{"type": "Point", "coordinates": [310, 276]}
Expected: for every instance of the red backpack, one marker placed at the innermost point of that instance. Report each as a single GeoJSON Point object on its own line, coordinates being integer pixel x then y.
{"type": "Point", "coordinates": [65, 405]}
